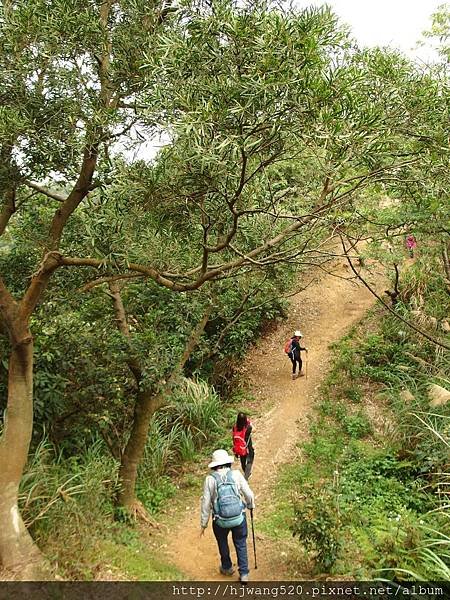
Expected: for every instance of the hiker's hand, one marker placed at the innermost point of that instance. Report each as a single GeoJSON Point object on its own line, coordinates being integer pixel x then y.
{"type": "Point", "coordinates": [202, 531]}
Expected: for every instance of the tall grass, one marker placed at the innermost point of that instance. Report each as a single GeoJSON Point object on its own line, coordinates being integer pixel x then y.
{"type": "Point", "coordinates": [53, 486]}
{"type": "Point", "coordinates": [67, 503]}
{"type": "Point", "coordinates": [197, 409]}
{"type": "Point", "coordinates": [180, 429]}
{"type": "Point", "coordinates": [177, 433]}
{"type": "Point", "coordinates": [433, 554]}
{"type": "Point", "coordinates": [46, 484]}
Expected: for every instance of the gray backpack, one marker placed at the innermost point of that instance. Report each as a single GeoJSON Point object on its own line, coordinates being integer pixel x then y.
{"type": "Point", "coordinates": [228, 507]}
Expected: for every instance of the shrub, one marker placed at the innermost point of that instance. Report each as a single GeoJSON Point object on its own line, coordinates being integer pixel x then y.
{"type": "Point", "coordinates": [317, 524]}
{"type": "Point", "coordinates": [357, 426]}
{"type": "Point", "coordinates": [154, 495]}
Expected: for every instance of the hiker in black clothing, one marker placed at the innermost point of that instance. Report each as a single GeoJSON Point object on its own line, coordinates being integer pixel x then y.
{"type": "Point", "coordinates": [295, 355]}
{"type": "Point", "coordinates": [242, 443]}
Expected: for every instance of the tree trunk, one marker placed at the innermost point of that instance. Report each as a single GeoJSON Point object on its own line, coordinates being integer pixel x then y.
{"type": "Point", "coordinates": [18, 552]}
{"type": "Point", "coordinates": [446, 261]}
{"type": "Point", "coordinates": [146, 405]}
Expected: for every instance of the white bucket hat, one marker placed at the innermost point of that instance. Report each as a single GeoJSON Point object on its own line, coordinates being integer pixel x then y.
{"type": "Point", "coordinates": [298, 333]}
{"type": "Point", "coordinates": [220, 457]}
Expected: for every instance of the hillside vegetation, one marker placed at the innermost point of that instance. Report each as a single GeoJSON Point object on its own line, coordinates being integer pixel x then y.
{"type": "Point", "coordinates": [170, 174]}
{"type": "Point", "coordinates": [370, 495]}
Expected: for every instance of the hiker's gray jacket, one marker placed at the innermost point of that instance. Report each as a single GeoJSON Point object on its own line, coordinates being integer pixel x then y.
{"type": "Point", "coordinates": [210, 493]}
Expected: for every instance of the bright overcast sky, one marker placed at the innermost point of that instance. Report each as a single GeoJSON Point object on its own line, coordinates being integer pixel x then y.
{"type": "Point", "coordinates": [395, 23]}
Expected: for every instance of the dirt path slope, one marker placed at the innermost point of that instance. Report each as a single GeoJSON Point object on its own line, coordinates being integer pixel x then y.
{"type": "Point", "coordinates": [324, 312]}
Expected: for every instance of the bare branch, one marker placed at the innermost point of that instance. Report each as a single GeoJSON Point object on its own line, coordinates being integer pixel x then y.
{"type": "Point", "coordinates": [213, 273]}
{"type": "Point", "coordinates": [7, 303]}
{"type": "Point", "coordinates": [76, 196]}
{"type": "Point", "coordinates": [391, 310]}
{"type": "Point", "coordinates": [108, 279]}
{"type": "Point", "coordinates": [395, 293]}
{"type": "Point", "coordinates": [124, 328]}
{"type": "Point", "coordinates": [8, 190]}
{"type": "Point", "coordinates": [39, 281]}
{"type": "Point", "coordinates": [360, 179]}
{"type": "Point", "coordinates": [242, 180]}
{"type": "Point", "coordinates": [244, 256]}
{"type": "Point", "coordinates": [9, 208]}
{"type": "Point", "coordinates": [43, 190]}
{"type": "Point", "coordinates": [192, 341]}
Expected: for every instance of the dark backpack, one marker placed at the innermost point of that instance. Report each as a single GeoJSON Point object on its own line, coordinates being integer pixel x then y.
{"type": "Point", "coordinates": [239, 443]}
{"type": "Point", "coordinates": [228, 506]}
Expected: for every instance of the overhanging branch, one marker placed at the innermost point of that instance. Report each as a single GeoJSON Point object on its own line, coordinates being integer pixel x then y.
{"type": "Point", "coordinates": [386, 306]}
{"type": "Point", "coordinates": [45, 191]}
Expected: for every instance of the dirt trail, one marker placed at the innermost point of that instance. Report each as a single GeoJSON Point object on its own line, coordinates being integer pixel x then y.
{"type": "Point", "coordinates": [323, 312]}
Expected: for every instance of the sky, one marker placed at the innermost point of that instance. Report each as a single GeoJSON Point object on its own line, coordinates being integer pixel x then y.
{"type": "Point", "coordinates": [395, 23]}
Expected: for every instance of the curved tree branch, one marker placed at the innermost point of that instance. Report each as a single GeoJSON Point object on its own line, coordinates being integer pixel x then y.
{"type": "Point", "coordinates": [386, 306]}
{"type": "Point", "coordinates": [43, 190]}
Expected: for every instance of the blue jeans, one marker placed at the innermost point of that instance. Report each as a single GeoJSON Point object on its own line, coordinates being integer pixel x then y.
{"type": "Point", "coordinates": [239, 535]}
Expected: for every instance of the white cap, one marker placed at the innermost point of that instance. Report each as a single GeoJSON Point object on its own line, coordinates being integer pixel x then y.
{"type": "Point", "coordinates": [298, 333]}
{"type": "Point", "coordinates": [220, 457]}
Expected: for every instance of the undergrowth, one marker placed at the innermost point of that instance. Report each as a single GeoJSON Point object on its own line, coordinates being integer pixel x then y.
{"type": "Point", "coordinates": [369, 497]}
{"type": "Point", "coordinates": [68, 503]}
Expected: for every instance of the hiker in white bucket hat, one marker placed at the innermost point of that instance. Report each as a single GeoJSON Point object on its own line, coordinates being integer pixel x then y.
{"type": "Point", "coordinates": [223, 493]}
{"type": "Point", "coordinates": [220, 458]}
{"type": "Point", "coordinates": [293, 350]}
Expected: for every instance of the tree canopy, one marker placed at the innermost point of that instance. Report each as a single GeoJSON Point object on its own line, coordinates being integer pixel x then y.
{"type": "Point", "coordinates": [121, 275]}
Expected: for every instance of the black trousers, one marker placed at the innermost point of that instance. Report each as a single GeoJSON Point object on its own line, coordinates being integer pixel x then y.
{"type": "Point", "coordinates": [296, 358]}
{"type": "Point", "coordinates": [247, 462]}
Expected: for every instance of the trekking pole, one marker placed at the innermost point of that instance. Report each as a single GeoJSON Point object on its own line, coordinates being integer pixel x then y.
{"type": "Point", "coordinates": [253, 536]}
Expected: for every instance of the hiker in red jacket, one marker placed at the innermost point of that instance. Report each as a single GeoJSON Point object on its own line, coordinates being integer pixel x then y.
{"type": "Point", "coordinates": [411, 244]}
{"type": "Point", "coordinates": [242, 443]}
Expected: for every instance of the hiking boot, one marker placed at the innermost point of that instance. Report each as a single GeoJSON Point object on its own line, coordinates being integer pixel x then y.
{"type": "Point", "coordinates": [244, 578]}
{"type": "Point", "coordinates": [229, 571]}
{"type": "Point", "coordinates": [294, 376]}
{"type": "Point", "coordinates": [301, 374]}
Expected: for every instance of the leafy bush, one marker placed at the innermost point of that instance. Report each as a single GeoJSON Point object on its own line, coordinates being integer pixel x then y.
{"type": "Point", "coordinates": [317, 524]}
{"type": "Point", "coordinates": [154, 495]}
{"type": "Point", "coordinates": [380, 483]}
{"type": "Point", "coordinates": [353, 393]}
{"type": "Point", "coordinates": [357, 426]}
